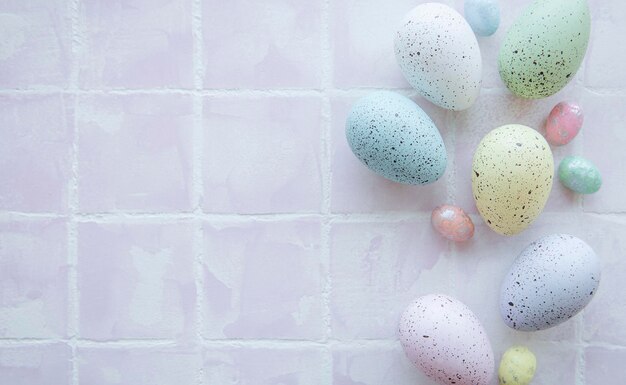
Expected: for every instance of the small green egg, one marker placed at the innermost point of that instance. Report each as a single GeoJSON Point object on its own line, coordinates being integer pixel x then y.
{"type": "Point", "coordinates": [580, 175]}
{"type": "Point", "coordinates": [517, 366]}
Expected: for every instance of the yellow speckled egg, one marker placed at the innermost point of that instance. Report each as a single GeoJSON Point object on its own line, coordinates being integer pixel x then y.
{"type": "Point", "coordinates": [517, 367]}
{"type": "Point", "coordinates": [512, 177]}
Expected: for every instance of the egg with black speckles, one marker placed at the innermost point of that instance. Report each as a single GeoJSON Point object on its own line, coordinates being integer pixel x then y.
{"type": "Point", "coordinates": [396, 139]}
{"type": "Point", "coordinates": [544, 48]}
{"type": "Point", "coordinates": [512, 175]}
{"type": "Point", "coordinates": [517, 367]}
{"type": "Point", "coordinates": [552, 280]}
{"type": "Point", "coordinates": [439, 56]}
{"type": "Point", "coordinates": [446, 341]}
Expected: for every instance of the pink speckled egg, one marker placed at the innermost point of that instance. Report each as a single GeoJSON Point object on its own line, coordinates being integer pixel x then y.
{"type": "Point", "coordinates": [564, 123]}
{"type": "Point", "coordinates": [446, 341]}
{"type": "Point", "coordinates": [452, 223]}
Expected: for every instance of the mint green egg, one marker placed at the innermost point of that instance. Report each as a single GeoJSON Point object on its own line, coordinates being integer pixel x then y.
{"type": "Point", "coordinates": [544, 48]}
{"type": "Point", "coordinates": [580, 175]}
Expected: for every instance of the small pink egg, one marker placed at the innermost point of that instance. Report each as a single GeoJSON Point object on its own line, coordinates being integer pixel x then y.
{"type": "Point", "coordinates": [564, 123]}
{"type": "Point", "coordinates": [452, 223]}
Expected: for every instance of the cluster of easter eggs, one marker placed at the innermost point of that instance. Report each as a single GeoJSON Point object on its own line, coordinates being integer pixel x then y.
{"type": "Point", "coordinates": [512, 173]}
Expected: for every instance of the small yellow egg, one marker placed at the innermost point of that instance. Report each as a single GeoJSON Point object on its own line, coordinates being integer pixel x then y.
{"type": "Point", "coordinates": [517, 366]}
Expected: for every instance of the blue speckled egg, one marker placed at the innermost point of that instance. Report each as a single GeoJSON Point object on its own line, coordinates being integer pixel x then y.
{"type": "Point", "coordinates": [395, 138]}
{"type": "Point", "coordinates": [483, 16]}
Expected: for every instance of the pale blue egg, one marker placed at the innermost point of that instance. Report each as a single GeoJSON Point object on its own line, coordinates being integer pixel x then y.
{"type": "Point", "coordinates": [483, 16]}
{"type": "Point", "coordinates": [395, 138]}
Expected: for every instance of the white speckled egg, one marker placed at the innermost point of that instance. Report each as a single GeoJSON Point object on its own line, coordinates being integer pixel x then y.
{"type": "Point", "coordinates": [446, 341]}
{"type": "Point", "coordinates": [544, 48]}
{"type": "Point", "coordinates": [512, 177]}
{"type": "Point", "coordinates": [395, 138]}
{"type": "Point", "coordinates": [439, 56]}
{"type": "Point", "coordinates": [552, 280]}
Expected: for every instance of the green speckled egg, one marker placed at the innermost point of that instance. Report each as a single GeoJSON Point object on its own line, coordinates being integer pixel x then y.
{"type": "Point", "coordinates": [544, 48]}
{"type": "Point", "coordinates": [580, 175]}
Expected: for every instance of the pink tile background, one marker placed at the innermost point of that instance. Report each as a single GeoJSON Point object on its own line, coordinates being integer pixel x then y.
{"type": "Point", "coordinates": [178, 204]}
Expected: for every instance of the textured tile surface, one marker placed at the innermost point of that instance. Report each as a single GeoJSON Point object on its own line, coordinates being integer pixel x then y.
{"type": "Point", "coordinates": [36, 43]}
{"type": "Point", "coordinates": [136, 44]}
{"type": "Point", "coordinates": [158, 366]}
{"type": "Point", "coordinates": [48, 364]}
{"type": "Point", "coordinates": [272, 44]}
{"type": "Point", "coordinates": [33, 272]}
{"type": "Point", "coordinates": [262, 155]}
{"type": "Point", "coordinates": [36, 152]}
{"type": "Point", "coordinates": [135, 280]}
{"type": "Point", "coordinates": [377, 269]}
{"type": "Point", "coordinates": [262, 280]}
{"type": "Point", "coordinates": [135, 153]}
{"type": "Point", "coordinates": [179, 204]}
{"type": "Point", "coordinates": [285, 366]}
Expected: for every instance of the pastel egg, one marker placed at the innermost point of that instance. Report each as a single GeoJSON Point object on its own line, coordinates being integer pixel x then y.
{"type": "Point", "coordinates": [512, 177]}
{"type": "Point", "coordinates": [564, 123]}
{"type": "Point", "coordinates": [446, 341]}
{"type": "Point", "coordinates": [517, 366]}
{"type": "Point", "coordinates": [439, 56]}
{"type": "Point", "coordinates": [552, 280]}
{"type": "Point", "coordinates": [483, 16]}
{"type": "Point", "coordinates": [395, 138]}
{"type": "Point", "coordinates": [580, 175]}
{"type": "Point", "coordinates": [453, 223]}
{"type": "Point", "coordinates": [544, 48]}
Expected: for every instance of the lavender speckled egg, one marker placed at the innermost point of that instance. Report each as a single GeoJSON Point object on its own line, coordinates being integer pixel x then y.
{"type": "Point", "coordinates": [446, 341]}
{"type": "Point", "coordinates": [512, 177]}
{"type": "Point", "coordinates": [552, 280]}
{"type": "Point", "coordinates": [439, 56]}
{"type": "Point", "coordinates": [544, 48]}
{"type": "Point", "coordinates": [483, 16]}
{"type": "Point", "coordinates": [395, 138]}
{"type": "Point", "coordinates": [453, 223]}
{"type": "Point", "coordinates": [564, 123]}
{"type": "Point", "coordinates": [580, 175]}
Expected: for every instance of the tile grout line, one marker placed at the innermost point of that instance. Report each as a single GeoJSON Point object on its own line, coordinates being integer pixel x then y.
{"type": "Point", "coordinates": [232, 92]}
{"type": "Point", "coordinates": [73, 290]}
{"type": "Point", "coordinates": [580, 325]}
{"type": "Point", "coordinates": [326, 172]}
{"type": "Point", "coordinates": [383, 216]}
{"type": "Point", "coordinates": [246, 342]}
{"type": "Point", "coordinates": [451, 122]}
{"type": "Point", "coordinates": [197, 182]}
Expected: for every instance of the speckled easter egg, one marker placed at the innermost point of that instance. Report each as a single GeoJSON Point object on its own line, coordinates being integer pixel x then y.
{"type": "Point", "coordinates": [446, 341]}
{"type": "Point", "coordinates": [543, 49]}
{"type": "Point", "coordinates": [517, 366]}
{"type": "Point", "coordinates": [452, 222]}
{"type": "Point", "coordinates": [580, 175]}
{"type": "Point", "coordinates": [439, 56]}
{"type": "Point", "coordinates": [564, 123]}
{"type": "Point", "coordinates": [512, 177]}
{"type": "Point", "coordinates": [550, 281]}
{"type": "Point", "coordinates": [483, 16]}
{"type": "Point", "coordinates": [395, 138]}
